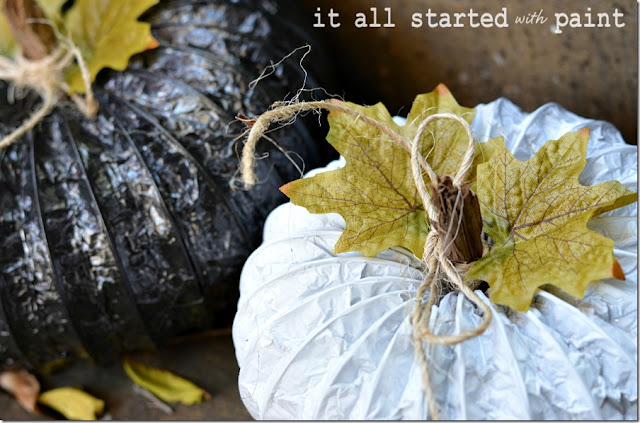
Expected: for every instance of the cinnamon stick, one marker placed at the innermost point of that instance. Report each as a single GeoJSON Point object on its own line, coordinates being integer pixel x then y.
{"type": "Point", "coordinates": [36, 40]}
{"type": "Point", "coordinates": [459, 221]}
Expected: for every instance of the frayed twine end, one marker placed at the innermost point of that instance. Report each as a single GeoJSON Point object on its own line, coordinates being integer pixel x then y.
{"type": "Point", "coordinates": [285, 113]}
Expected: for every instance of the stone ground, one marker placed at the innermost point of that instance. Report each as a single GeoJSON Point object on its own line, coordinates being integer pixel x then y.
{"type": "Point", "coordinates": [207, 360]}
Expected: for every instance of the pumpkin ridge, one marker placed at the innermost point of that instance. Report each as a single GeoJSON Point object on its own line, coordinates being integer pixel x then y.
{"type": "Point", "coordinates": [165, 54]}
{"type": "Point", "coordinates": [142, 337]}
{"type": "Point", "coordinates": [578, 383]}
{"type": "Point", "coordinates": [8, 344]}
{"type": "Point", "coordinates": [551, 299]}
{"type": "Point", "coordinates": [499, 328]}
{"type": "Point", "coordinates": [214, 105]}
{"type": "Point", "coordinates": [269, 49]}
{"type": "Point", "coordinates": [248, 6]}
{"type": "Point", "coordinates": [207, 282]}
{"type": "Point", "coordinates": [185, 153]}
{"type": "Point", "coordinates": [282, 317]}
{"type": "Point", "coordinates": [332, 374]}
{"type": "Point", "coordinates": [381, 365]}
{"type": "Point", "coordinates": [177, 232]}
{"type": "Point", "coordinates": [39, 318]}
{"type": "Point", "coordinates": [55, 278]}
{"type": "Point", "coordinates": [227, 65]}
{"type": "Point", "coordinates": [135, 324]}
{"type": "Point", "coordinates": [105, 347]}
{"type": "Point", "coordinates": [200, 52]}
{"type": "Point", "coordinates": [289, 360]}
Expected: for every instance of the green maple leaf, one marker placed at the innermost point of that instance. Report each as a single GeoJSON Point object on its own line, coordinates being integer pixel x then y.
{"type": "Point", "coordinates": [536, 212]}
{"type": "Point", "coordinates": [375, 192]}
{"type": "Point", "coordinates": [108, 33]}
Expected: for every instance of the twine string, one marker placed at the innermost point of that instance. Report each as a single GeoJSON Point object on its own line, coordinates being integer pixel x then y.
{"type": "Point", "coordinates": [435, 260]}
{"type": "Point", "coordinates": [46, 77]}
{"type": "Point", "coordinates": [438, 266]}
{"type": "Point", "coordinates": [284, 113]}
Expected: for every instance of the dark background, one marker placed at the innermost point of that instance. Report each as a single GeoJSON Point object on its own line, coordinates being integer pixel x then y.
{"type": "Point", "coordinates": [590, 71]}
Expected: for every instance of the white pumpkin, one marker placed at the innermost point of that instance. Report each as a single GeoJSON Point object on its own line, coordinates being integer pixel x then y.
{"type": "Point", "coordinates": [327, 336]}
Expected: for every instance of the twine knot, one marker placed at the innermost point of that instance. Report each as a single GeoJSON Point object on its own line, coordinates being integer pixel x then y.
{"type": "Point", "coordinates": [445, 216]}
{"type": "Point", "coordinates": [46, 77]}
{"type": "Point", "coordinates": [37, 74]}
{"type": "Point", "coordinates": [437, 260]}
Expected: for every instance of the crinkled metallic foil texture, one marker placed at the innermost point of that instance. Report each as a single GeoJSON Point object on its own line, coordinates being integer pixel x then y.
{"type": "Point", "coordinates": [121, 232]}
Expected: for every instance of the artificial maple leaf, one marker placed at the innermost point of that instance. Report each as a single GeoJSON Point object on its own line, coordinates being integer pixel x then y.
{"type": "Point", "coordinates": [108, 33]}
{"type": "Point", "coordinates": [375, 192]}
{"type": "Point", "coordinates": [536, 212]}
{"type": "Point", "coordinates": [52, 9]}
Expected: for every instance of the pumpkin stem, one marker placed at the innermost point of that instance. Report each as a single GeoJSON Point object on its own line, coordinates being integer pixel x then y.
{"type": "Point", "coordinates": [41, 64]}
{"type": "Point", "coordinates": [36, 39]}
{"type": "Point", "coordinates": [458, 212]}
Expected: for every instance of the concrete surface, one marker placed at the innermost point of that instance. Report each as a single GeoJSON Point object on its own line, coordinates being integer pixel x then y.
{"type": "Point", "coordinates": [207, 360]}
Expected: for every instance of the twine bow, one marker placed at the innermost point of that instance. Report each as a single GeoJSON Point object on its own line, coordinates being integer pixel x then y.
{"type": "Point", "coordinates": [438, 265]}
{"type": "Point", "coordinates": [437, 262]}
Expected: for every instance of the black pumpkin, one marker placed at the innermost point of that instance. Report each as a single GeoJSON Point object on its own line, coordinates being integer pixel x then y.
{"type": "Point", "coordinates": [121, 232]}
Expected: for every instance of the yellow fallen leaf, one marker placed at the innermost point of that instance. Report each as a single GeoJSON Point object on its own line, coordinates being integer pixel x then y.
{"type": "Point", "coordinates": [164, 384]}
{"type": "Point", "coordinates": [72, 403]}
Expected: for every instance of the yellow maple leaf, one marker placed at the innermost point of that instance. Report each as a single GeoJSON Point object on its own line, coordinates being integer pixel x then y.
{"type": "Point", "coordinates": [108, 33]}
{"type": "Point", "coordinates": [375, 192]}
{"type": "Point", "coordinates": [536, 212]}
{"type": "Point", "coordinates": [72, 403]}
{"type": "Point", "coordinates": [164, 384]}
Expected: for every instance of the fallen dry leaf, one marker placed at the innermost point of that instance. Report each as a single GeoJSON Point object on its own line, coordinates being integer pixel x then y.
{"type": "Point", "coordinates": [73, 403]}
{"type": "Point", "coordinates": [164, 384]}
{"type": "Point", "coordinates": [22, 385]}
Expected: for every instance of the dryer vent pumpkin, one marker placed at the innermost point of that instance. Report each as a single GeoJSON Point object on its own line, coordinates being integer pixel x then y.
{"type": "Point", "coordinates": [325, 332]}
{"type": "Point", "coordinates": [122, 231]}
